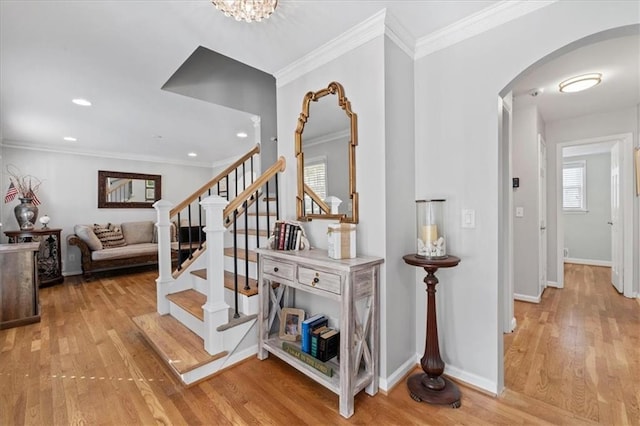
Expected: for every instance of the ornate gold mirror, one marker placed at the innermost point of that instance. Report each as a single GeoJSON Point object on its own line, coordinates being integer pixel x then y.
{"type": "Point", "coordinates": [118, 190]}
{"type": "Point", "coordinates": [326, 157]}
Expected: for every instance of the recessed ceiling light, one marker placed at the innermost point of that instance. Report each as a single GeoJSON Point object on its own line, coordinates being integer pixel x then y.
{"type": "Point", "coordinates": [192, 154]}
{"type": "Point", "coordinates": [81, 102]}
{"type": "Point", "coordinates": [581, 82]}
{"type": "Point", "coordinates": [70, 138]}
{"type": "Point", "coordinates": [241, 135]}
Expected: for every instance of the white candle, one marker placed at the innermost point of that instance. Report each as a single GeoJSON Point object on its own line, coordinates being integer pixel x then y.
{"type": "Point", "coordinates": [429, 233]}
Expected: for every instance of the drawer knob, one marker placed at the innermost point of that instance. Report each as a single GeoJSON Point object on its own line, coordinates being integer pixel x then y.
{"type": "Point", "coordinates": [316, 280]}
{"type": "Point", "coordinates": [275, 269]}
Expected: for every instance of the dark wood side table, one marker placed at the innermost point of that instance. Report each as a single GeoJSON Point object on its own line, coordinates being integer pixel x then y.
{"type": "Point", "coordinates": [431, 386]}
{"type": "Point", "coordinates": [49, 254]}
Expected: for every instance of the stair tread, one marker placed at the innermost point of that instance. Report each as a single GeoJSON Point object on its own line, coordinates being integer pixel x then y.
{"type": "Point", "coordinates": [180, 348]}
{"type": "Point", "coordinates": [191, 301]}
{"type": "Point", "coordinates": [228, 282]}
{"type": "Point", "coordinates": [262, 214]}
{"type": "Point", "coordinates": [250, 231]}
{"type": "Point", "coordinates": [253, 257]}
{"type": "Point", "coordinates": [236, 321]}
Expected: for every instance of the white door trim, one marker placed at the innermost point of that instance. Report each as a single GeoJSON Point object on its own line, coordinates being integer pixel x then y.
{"type": "Point", "coordinates": [626, 181]}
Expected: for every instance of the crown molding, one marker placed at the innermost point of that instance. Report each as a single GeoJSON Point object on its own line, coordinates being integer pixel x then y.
{"type": "Point", "coordinates": [347, 41]}
{"type": "Point", "coordinates": [399, 35]}
{"type": "Point", "coordinates": [103, 154]}
{"type": "Point", "coordinates": [478, 23]}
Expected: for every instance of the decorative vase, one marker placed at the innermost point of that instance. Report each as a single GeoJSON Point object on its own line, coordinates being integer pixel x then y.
{"type": "Point", "coordinates": [26, 214]}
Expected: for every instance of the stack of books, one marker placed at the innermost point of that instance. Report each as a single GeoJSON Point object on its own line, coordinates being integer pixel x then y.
{"type": "Point", "coordinates": [318, 339]}
{"type": "Point", "coordinates": [287, 235]}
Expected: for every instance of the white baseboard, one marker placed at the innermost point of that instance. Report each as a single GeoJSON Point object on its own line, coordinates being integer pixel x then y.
{"type": "Point", "coordinates": [526, 298]}
{"type": "Point", "coordinates": [472, 379]}
{"type": "Point", "coordinates": [71, 273]}
{"type": "Point", "coordinates": [553, 284]}
{"type": "Point", "coordinates": [591, 262]}
{"type": "Point", "coordinates": [395, 377]}
{"type": "Point", "coordinates": [514, 324]}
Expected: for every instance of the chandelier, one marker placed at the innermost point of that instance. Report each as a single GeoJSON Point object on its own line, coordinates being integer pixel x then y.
{"type": "Point", "coordinates": [246, 10]}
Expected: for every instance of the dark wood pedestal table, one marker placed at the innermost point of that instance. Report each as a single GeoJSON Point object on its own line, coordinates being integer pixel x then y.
{"type": "Point", "coordinates": [431, 386]}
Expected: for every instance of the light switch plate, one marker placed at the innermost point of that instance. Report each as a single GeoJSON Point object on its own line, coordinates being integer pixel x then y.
{"type": "Point", "coordinates": [519, 211]}
{"type": "Point", "coordinates": [468, 218]}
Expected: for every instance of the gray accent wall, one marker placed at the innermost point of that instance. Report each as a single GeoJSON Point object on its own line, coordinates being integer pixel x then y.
{"type": "Point", "coordinates": [587, 235]}
{"type": "Point", "coordinates": [215, 78]}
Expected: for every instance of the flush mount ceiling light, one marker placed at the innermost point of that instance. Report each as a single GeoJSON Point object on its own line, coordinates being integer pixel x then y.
{"type": "Point", "coordinates": [81, 102]}
{"type": "Point", "coordinates": [246, 10]}
{"type": "Point", "coordinates": [242, 135]}
{"type": "Point", "coordinates": [581, 82]}
{"type": "Point", "coordinates": [192, 154]}
{"type": "Point", "coordinates": [70, 139]}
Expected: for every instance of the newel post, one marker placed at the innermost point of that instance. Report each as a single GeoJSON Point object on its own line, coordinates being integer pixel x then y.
{"type": "Point", "coordinates": [216, 311]}
{"type": "Point", "coordinates": [165, 279]}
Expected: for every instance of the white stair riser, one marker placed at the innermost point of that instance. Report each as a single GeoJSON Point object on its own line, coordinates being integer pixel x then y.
{"type": "Point", "coordinates": [228, 241]}
{"type": "Point", "coordinates": [246, 305]}
{"type": "Point", "coordinates": [188, 320]}
{"type": "Point", "coordinates": [262, 222]}
{"type": "Point", "coordinates": [232, 337]}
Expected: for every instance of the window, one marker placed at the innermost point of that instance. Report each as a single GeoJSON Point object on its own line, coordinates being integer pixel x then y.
{"type": "Point", "coordinates": [574, 186]}
{"type": "Point", "coordinates": [315, 176]}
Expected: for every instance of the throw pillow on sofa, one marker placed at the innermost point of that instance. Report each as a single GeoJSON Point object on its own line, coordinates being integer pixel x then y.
{"type": "Point", "coordinates": [86, 234]}
{"type": "Point", "coordinates": [109, 235]}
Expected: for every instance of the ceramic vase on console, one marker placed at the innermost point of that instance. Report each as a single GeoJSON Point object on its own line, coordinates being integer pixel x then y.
{"type": "Point", "coordinates": [26, 214]}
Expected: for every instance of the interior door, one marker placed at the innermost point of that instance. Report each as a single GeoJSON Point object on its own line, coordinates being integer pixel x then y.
{"type": "Point", "coordinates": [542, 212]}
{"type": "Point", "coordinates": [616, 235]}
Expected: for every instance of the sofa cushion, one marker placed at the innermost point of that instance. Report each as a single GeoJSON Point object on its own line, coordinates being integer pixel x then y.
{"type": "Point", "coordinates": [86, 234]}
{"type": "Point", "coordinates": [138, 232]}
{"type": "Point", "coordinates": [109, 235]}
{"type": "Point", "coordinates": [129, 251]}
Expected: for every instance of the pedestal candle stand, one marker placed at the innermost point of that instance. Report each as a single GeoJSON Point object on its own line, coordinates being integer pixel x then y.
{"type": "Point", "coordinates": [431, 386]}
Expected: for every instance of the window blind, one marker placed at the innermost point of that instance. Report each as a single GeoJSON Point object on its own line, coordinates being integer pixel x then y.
{"type": "Point", "coordinates": [573, 186]}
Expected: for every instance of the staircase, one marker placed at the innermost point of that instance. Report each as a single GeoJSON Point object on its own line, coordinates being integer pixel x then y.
{"type": "Point", "coordinates": [207, 302]}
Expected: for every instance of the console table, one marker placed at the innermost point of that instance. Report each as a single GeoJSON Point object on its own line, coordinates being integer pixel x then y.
{"type": "Point", "coordinates": [431, 386]}
{"type": "Point", "coordinates": [19, 303]}
{"type": "Point", "coordinates": [49, 256]}
{"type": "Point", "coordinates": [352, 284]}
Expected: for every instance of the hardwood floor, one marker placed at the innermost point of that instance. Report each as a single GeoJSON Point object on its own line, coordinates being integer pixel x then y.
{"type": "Point", "coordinates": [579, 349]}
{"type": "Point", "coordinates": [86, 363]}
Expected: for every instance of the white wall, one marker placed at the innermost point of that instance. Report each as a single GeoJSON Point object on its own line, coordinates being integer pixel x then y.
{"type": "Point", "coordinates": [377, 78]}
{"type": "Point", "coordinates": [587, 235]}
{"type": "Point", "coordinates": [581, 128]}
{"type": "Point", "coordinates": [398, 197]}
{"type": "Point", "coordinates": [457, 144]}
{"type": "Point", "coordinates": [69, 193]}
{"type": "Point", "coordinates": [526, 127]}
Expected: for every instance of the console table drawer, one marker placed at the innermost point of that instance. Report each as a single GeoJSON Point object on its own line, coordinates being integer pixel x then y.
{"type": "Point", "coordinates": [320, 280]}
{"type": "Point", "coordinates": [279, 269]}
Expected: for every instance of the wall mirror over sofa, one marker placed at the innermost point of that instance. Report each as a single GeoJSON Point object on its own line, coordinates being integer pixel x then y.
{"type": "Point", "coordinates": [128, 190]}
{"type": "Point", "coordinates": [326, 140]}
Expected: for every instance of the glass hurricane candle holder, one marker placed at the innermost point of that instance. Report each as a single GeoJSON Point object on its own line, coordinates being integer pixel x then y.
{"type": "Point", "coordinates": [431, 239]}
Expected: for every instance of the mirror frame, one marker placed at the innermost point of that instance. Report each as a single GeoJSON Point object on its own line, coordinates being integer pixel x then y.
{"type": "Point", "coordinates": [334, 88]}
{"type": "Point", "coordinates": [102, 190]}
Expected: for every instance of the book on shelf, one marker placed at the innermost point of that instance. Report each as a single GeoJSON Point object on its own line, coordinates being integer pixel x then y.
{"type": "Point", "coordinates": [328, 344]}
{"type": "Point", "coordinates": [304, 332]}
{"type": "Point", "coordinates": [288, 235]}
{"type": "Point", "coordinates": [295, 351]}
{"type": "Point", "coordinates": [315, 333]}
{"type": "Point", "coordinates": [307, 329]}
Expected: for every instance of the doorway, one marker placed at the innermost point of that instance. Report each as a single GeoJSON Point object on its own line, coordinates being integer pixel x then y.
{"type": "Point", "coordinates": [621, 221]}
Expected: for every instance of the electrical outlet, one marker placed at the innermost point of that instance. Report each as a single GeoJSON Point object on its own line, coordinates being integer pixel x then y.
{"type": "Point", "coordinates": [72, 257]}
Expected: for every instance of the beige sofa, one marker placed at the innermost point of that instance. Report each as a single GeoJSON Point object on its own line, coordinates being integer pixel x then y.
{"type": "Point", "coordinates": [116, 245]}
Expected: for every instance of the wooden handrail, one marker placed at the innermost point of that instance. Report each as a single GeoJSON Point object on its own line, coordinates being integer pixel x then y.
{"type": "Point", "coordinates": [312, 194]}
{"type": "Point", "coordinates": [278, 166]}
{"type": "Point", "coordinates": [214, 181]}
